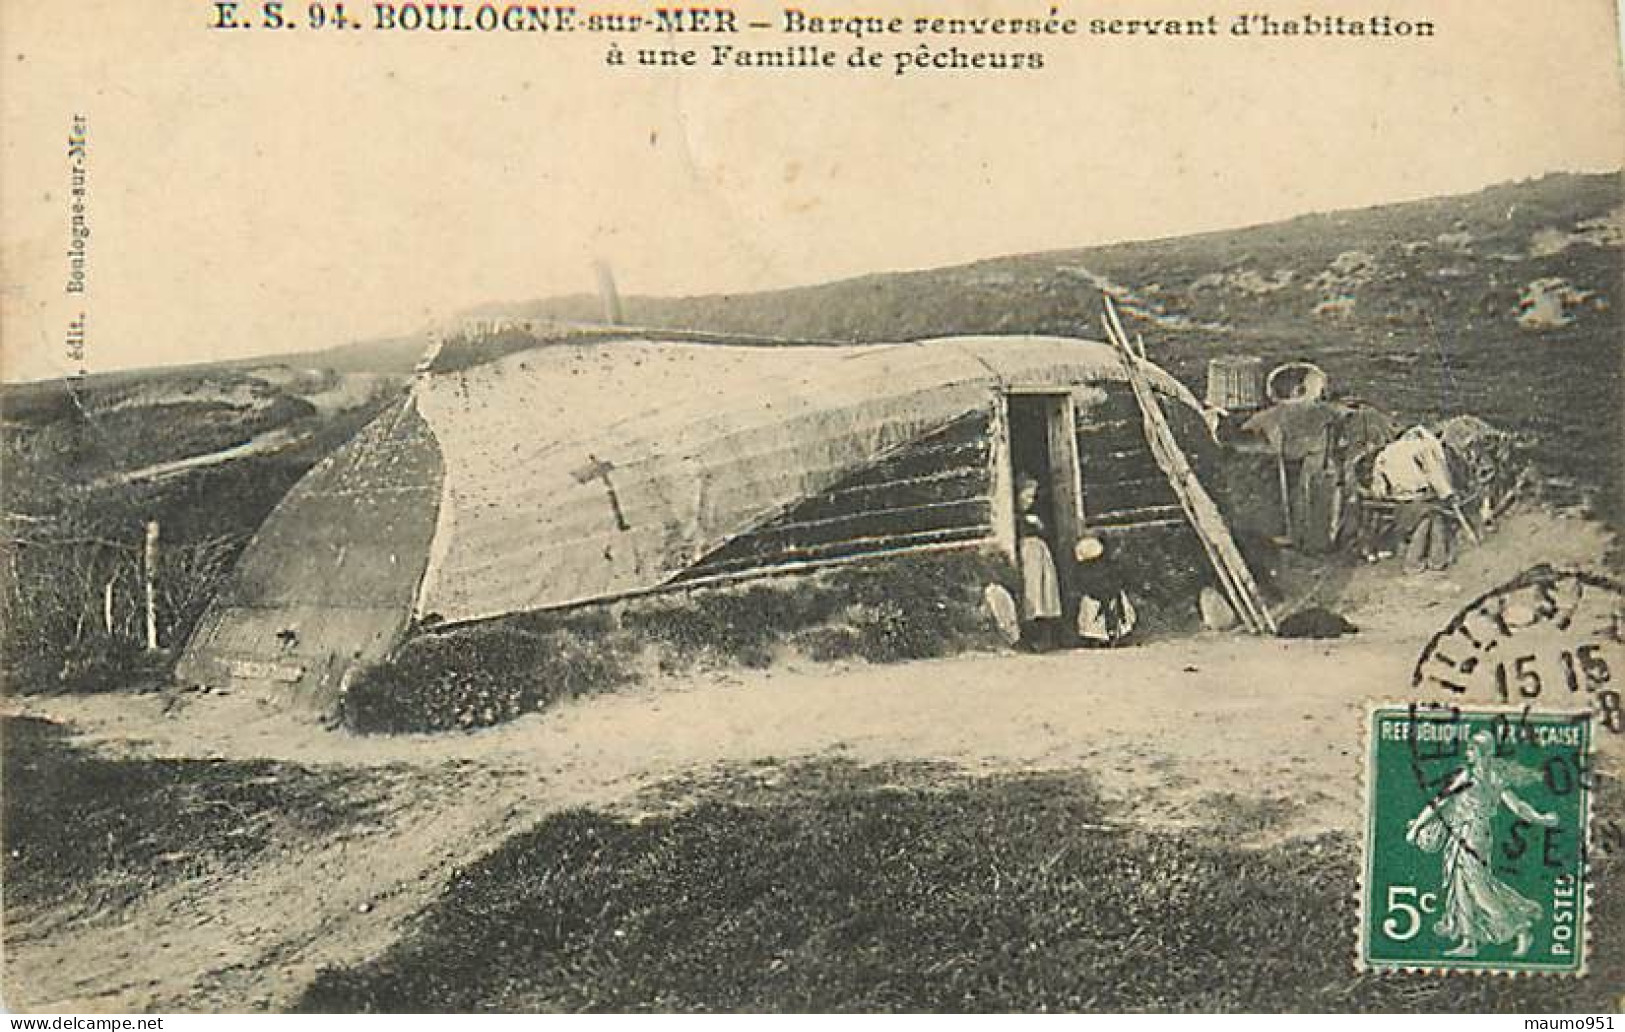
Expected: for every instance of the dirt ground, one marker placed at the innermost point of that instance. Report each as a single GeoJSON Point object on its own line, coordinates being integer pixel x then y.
{"type": "Point", "coordinates": [1176, 732]}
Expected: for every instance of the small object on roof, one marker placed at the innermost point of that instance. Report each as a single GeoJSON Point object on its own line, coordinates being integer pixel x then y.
{"type": "Point", "coordinates": [1002, 605]}
{"type": "Point", "coordinates": [1088, 549]}
{"type": "Point", "coordinates": [1235, 383]}
{"type": "Point", "coordinates": [1296, 381]}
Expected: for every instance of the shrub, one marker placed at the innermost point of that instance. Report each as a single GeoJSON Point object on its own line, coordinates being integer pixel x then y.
{"type": "Point", "coordinates": [478, 676]}
{"type": "Point", "coordinates": [890, 631]}
{"type": "Point", "coordinates": [740, 623]}
{"type": "Point", "coordinates": [895, 609]}
{"type": "Point", "coordinates": [101, 662]}
{"type": "Point", "coordinates": [827, 644]}
{"type": "Point", "coordinates": [918, 607]}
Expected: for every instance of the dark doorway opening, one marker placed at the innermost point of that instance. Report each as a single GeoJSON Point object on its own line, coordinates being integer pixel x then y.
{"type": "Point", "coordinates": [1030, 451]}
{"type": "Point", "coordinates": [1043, 445]}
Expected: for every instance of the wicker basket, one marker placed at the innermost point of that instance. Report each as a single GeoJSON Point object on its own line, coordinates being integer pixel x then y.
{"type": "Point", "coordinates": [1296, 381]}
{"type": "Point", "coordinates": [1235, 383]}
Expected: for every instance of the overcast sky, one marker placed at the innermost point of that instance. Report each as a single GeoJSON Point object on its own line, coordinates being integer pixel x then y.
{"type": "Point", "coordinates": [256, 191]}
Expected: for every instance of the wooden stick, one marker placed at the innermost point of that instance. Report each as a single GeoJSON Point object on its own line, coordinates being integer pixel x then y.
{"type": "Point", "coordinates": [1461, 518]}
{"type": "Point", "coordinates": [1286, 489]}
{"type": "Point", "coordinates": [149, 573]}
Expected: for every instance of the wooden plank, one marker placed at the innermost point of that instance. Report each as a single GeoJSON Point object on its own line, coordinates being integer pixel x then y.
{"type": "Point", "coordinates": [1000, 471]}
{"type": "Point", "coordinates": [1089, 425]}
{"type": "Point", "coordinates": [1132, 485]}
{"type": "Point", "coordinates": [1117, 455]}
{"type": "Point", "coordinates": [1110, 496]}
{"type": "Point", "coordinates": [944, 486]}
{"type": "Point", "coordinates": [1066, 481]}
{"type": "Point", "coordinates": [950, 513]}
{"type": "Point", "coordinates": [1170, 523]}
{"type": "Point", "coordinates": [851, 549]}
{"type": "Point", "coordinates": [1120, 517]}
{"type": "Point", "coordinates": [1203, 514]}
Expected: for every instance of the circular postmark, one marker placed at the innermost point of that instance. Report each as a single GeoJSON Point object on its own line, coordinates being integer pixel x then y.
{"type": "Point", "coordinates": [1548, 640]}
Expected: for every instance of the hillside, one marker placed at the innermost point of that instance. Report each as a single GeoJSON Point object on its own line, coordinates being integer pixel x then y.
{"type": "Point", "coordinates": [1464, 260]}
{"type": "Point", "coordinates": [1499, 303]}
{"type": "Point", "coordinates": [1231, 284]}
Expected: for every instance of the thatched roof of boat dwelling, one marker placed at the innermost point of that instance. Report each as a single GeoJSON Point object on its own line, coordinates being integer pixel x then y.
{"type": "Point", "coordinates": [516, 479]}
{"type": "Point", "coordinates": [608, 468]}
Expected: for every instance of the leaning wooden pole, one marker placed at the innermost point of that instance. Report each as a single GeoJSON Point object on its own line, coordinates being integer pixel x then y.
{"type": "Point", "coordinates": [149, 577]}
{"type": "Point", "coordinates": [1230, 568]}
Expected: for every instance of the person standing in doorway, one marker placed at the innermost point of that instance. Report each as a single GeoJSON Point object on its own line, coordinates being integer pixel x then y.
{"type": "Point", "coordinates": [1041, 608]}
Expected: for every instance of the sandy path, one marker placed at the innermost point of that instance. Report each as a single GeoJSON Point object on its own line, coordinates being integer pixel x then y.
{"type": "Point", "coordinates": [1165, 729]}
{"type": "Point", "coordinates": [1158, 737]}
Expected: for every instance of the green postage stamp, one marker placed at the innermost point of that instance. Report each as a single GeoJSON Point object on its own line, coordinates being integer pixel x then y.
{"type": "Point", "coordinates": [1475, 841]}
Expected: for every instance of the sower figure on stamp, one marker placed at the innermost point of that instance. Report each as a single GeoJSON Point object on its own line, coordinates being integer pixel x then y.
{"type": "Point", "coordinates": [1041, 608]}
{"type": "Point", "coordinates": [1479, 908]}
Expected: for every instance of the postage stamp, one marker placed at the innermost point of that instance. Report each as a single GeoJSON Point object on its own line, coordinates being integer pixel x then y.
{"type": "Point", "coordinates": [1475, 841]}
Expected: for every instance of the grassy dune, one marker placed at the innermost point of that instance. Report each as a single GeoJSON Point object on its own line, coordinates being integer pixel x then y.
{"type": "Point", "coordinates": [827, 887]}
{"type": "Point", "coordinates": [81, 829]}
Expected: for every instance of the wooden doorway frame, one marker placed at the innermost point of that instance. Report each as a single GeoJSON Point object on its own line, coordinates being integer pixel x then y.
{"type": "Point", "coordinates": [1066, 475]}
